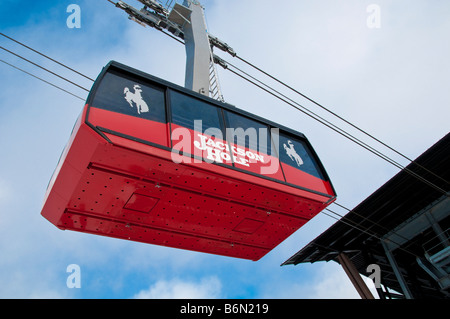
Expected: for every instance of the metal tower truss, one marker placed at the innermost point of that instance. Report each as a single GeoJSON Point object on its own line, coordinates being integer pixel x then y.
{"type": "Point", "coordinates": [214, 85]}
{"type": "Point", "coordinates": [176, 19]}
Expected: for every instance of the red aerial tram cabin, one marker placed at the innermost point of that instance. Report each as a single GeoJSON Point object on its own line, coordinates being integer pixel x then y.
{"type": "Point", "coordinates": [153, 162]}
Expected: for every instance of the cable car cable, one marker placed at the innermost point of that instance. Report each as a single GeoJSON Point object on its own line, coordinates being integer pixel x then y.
{"type": "Point", "coordinates": [36, 51]}
{"type": "Point", "coordinates": [341, 132]}
{"type": "Point", "coordinates": [345, 134]}
{"type": "Point", "coordinates": [318, 116]}
{"type": "Point", "coordinates": [342, 220]}
{"type": "Point", "coordinates": [341, 118]}
{"type": "Point", "coordinates": [35, 64]}
{"type": "Point", "coordinates": [338, 116]}
{"type": "Point", "coordinates": [349, 210]}
{"type": "Point", "coordinates": [334, 127]}
{"type": "Point", "coordinates": [366, 219]}
{"type": "Point", "coordinates": [60, 88]}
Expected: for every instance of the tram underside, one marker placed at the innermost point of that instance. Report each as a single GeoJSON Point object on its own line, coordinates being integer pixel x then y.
{"type": "Point", "coordinates": [128, 190]}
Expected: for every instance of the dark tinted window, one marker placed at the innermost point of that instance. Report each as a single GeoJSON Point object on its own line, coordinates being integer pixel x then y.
{"type": "Point", "coordinates": [128, 96]}
{"type": "Point", "coordinates": [247, 132]}
{"type": "Point", "coordinates": [186, 110]}
{"type": "Point", "coordinates": [296, 153]}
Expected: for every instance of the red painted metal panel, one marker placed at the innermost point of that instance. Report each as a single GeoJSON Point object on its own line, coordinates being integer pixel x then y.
{"type": "Point", "coordinates": [141, 203]}
{"type": "Point", "coordinates": [146, 130]}
{"type": "Point", "coordinates": [296, 176]}
{"type": "Point", "coordinates": [126, 182]}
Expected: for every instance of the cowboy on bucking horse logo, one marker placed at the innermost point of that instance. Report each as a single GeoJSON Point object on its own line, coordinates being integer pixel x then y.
{"type": "Point", "coordinates": [136, 97]}
{"type": "Point", "coordinates": [290, 151]}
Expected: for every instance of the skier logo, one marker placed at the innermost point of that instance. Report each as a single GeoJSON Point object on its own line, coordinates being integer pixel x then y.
{"type": "Point", "coordinates": [290, 151]}
{"type": "Point", "coordinates": [136, 98]}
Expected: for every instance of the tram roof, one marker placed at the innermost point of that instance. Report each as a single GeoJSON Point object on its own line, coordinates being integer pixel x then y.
{"type": "Point", "coordinates": [122, 68]}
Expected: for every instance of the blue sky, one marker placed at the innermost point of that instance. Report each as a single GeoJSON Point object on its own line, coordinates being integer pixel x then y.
{"type": "Point", "coordinates": [391, 81]}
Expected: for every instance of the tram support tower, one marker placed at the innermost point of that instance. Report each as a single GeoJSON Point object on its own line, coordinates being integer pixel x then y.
{"type": "Point", "coordinates": [198, 50]}
{"type": "Point", "coordinates": [187, 22]}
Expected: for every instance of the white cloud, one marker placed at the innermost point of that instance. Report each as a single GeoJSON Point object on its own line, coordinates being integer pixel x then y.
{"type": "Point", "coordinates": [314, 281]}
{"type": "Point", "coordinates": [336, 285]}
{"type": "Point", "coordinates": [5, 191]}
{"type": "Point", "coordinates": [206, 288]}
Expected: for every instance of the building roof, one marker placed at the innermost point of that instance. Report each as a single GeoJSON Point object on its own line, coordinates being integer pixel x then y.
{"type": "Point", "coordinates": [385, 213]}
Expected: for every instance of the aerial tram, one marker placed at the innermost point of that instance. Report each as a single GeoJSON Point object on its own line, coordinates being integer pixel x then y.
{"type": "Point", "coordinates": [157, 163]}
{"type": "Point", "coordinates": [154, 162]}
